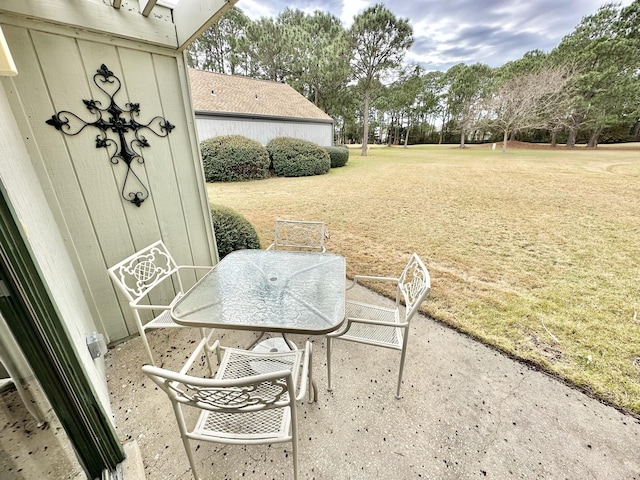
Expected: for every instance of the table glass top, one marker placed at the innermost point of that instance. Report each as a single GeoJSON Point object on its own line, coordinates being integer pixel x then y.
{"type": "Point", "coordinates": [278, 291]}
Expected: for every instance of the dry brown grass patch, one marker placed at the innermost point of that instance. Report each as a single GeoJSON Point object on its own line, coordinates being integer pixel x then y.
{"type": "Point", "coordinates": [520, 246]}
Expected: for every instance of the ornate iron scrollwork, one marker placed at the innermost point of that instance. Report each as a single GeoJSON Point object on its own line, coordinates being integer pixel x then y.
{"type": "Point", "coordinates": [120, 121]}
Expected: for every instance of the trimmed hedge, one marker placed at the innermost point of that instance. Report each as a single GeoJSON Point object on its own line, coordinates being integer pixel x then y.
{"type": "Point", "coordinates": [232, 158]}
{"type": "Point", "coordinates": [292, 157]}
{"type": "Point", "coordinates": [339, 155]}
{"type": "Point", "coordinates": [232, 231]}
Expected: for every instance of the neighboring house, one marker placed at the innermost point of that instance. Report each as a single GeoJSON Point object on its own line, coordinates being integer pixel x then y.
{"type": "Point", "coordinates": [258, 109]}
{"type": "Point", "coordinates": [65, 214]}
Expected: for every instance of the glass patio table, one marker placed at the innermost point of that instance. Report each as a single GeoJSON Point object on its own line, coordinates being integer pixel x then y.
{"type": "Point", "coordinates": [268, 291]}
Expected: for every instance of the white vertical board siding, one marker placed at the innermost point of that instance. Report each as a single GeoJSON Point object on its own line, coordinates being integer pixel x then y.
{"type": "Point", "coordinates": [189, 176]}
{"type": "Point", "coordinates": [90, 173]}
{"type": "Point", "coordinates": [82, 187]}
{"type": "Point", "coordinates": [30, 100]}
{"type": "Point", "coordinates": [263, 130]}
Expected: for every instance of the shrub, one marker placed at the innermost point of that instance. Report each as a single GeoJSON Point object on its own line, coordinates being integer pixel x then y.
{"type": "Point", "coordinates": [232, 231]}
{"type": "Point", "coordinates": [292, 157]}
{"type": "Point", "coordinates": [339, 155]}
{"type": "Point", "coordinates": [231, 158]}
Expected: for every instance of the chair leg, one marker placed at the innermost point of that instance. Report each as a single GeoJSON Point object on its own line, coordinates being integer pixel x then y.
{"type": "Point", "coordinates": [207, 350]}
{"type": "Point", "coordinates": [402, 358]}
{"type": "Point", "coordinates": [192, 462]}
{"type": "Point", "coordinates": [313, 388]}
{"type": "Point", "coordinates": [294, 440]}
{"type": "Point", "coordinates": [295, 458]}
{"type": "Point", "coordinates": [143, 335]}
{"type": "Point", "coordinates": [329, 347]}
{"type": "Point", "coordinates": [185, 439]}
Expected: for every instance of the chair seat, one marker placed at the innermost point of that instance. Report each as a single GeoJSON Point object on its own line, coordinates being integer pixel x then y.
{"type": "Point", "coordinates": [238, 363]}
{"type": "Point", "coordinates": [273, 424]}
{"type": "Point", "coordinates": [163, 320]}
{"type": "Point", "coordinates": [380, 335]}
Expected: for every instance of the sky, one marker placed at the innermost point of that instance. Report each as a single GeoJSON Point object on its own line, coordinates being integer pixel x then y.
{"type": "Point", "coordinates": [448, 32]}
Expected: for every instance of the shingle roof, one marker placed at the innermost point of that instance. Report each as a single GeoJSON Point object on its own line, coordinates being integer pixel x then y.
{"type": "Point", "coordinates": [216, 92]}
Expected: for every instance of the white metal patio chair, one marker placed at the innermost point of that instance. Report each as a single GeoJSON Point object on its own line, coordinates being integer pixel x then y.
{"type": "Point", "coordinates": [299, 235]}
{"type": "Point", "coordinates": [141, 276]}
{"type": "Point", "coordinates": [381, 326]}
{"type": "Point", "coordinates": [251, 400]}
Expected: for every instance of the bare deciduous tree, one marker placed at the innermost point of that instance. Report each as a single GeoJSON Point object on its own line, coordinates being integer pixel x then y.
{"type": "Point", "coordinates": [528, 101]}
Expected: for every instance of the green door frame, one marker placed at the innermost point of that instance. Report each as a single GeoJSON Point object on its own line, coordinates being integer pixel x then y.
{"type": "Point", "coordinates": [40, 333]}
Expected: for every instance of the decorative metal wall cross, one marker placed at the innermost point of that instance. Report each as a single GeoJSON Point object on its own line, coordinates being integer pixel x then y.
{"type": "Point", "coordinates": [112, 118]}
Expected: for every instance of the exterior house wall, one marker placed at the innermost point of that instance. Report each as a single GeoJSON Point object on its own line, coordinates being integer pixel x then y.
{"type": "Point", "coordinates": [263, 130]}
{"type": "Point", "coordinates": [47, 247]}
{"type": "Point", "coordinates": [81, 186]}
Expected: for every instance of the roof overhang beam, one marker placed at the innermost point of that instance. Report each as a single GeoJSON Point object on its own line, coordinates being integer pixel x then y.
{"type": "Point", "coordinates": [190, 18]}
{"type": "Point", "coordinates": [194, 17]}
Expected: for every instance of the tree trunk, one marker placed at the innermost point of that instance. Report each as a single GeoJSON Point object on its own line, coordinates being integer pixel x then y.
{"type": "Point", "coordinates": [504, 141]}
{"type": "Point", "coordinates": [462, 135]}
{"type": "Point", "coordinates": [554, 140]}
{"type": "Point", "coordinates": [571, 141]}
{"type": "Point", "coordinates": [593, 138]}
{"type": "Point", "coordinates": [573, 131]}
{"type": "Point", "coordinates": [445, 116]}
{"type": "Point", "coordinates": [406, 137]}
{"type": "Point", "coordinates": [365, 124]}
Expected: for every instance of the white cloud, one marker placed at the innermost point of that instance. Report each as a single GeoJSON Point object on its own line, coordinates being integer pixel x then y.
{"type": "Point", "coordinates": [351, 8]}
{"type": "Point", "coordinates": [454, 31]}
{"type": "Point", "coordinates": [256, 9]}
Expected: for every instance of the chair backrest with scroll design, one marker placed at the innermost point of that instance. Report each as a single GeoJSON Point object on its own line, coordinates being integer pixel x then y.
{"type": "Point", "coordinates": [299, 235]}
{"type": "Point", "coordinates": [137, 275]}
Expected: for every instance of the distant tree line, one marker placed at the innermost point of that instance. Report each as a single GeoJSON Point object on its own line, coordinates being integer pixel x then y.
{"type": "Point", "coordinates": [586, 90]}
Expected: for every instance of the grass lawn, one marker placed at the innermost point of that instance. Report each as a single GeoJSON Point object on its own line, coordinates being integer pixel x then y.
{"type": "Point", "coordinates": [536, 252]}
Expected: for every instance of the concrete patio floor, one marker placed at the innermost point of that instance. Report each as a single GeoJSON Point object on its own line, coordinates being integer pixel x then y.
{"type": "Point", "coordinates": [466, 412]}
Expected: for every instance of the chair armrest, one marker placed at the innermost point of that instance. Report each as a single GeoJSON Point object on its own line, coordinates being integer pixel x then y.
{"type": "Point", "coordinates": [358, 278]}
{"type": "Point", "coordinates": [368, 321]}
{"type": "Point", "coordinates": [155, 307]}
{"type": "Point", "coordinates": [149, 307]}
{"type": "Point", "coordinates": [350, 320]}
{"type": "Point", "coordinates": [202, 346]}
{"type": "Point", "coordinates": [194, 267]}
